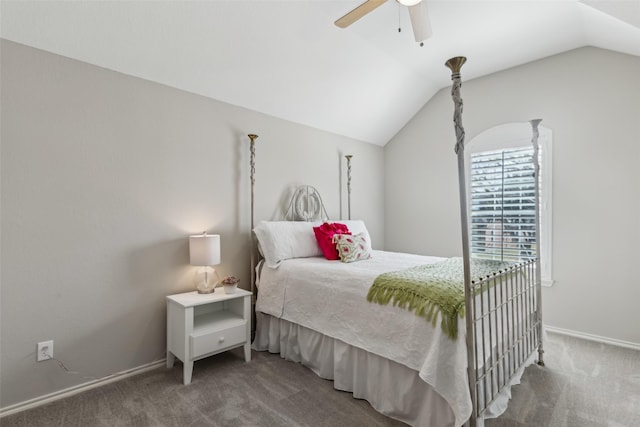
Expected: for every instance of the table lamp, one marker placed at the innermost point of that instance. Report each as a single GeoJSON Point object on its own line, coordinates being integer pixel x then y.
{"type": "Point", "coordinates": [204, 251]}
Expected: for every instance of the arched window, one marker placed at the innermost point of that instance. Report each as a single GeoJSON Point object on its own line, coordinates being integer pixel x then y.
{"type": "Point", "coordinates": [501, 195]}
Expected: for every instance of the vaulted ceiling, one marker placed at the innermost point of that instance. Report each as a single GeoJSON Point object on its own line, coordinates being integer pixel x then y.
{"type": "Point", "coordinates": [287, 58]}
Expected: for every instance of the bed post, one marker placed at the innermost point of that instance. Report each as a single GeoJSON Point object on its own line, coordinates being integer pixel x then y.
{"type": "Point", "coordinates": [252, 164]}
{"type": "Point", "coordinates": [348, 157]}
{"type": "Point", "coordinates": [455, 64]}
{"type": "Point", "coordinates": [536, 166]}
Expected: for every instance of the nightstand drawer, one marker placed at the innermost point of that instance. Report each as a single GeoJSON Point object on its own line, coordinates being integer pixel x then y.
{"type": "Point", "coordinates": [217, 340]}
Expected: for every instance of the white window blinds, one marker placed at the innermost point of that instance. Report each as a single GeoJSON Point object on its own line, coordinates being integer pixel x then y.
{"type": "Point", "coordinates": [503, 225]}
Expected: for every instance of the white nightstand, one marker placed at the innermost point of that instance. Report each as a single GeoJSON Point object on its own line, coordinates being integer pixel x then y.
{"type": "Point", "coordinates": [201, 325]}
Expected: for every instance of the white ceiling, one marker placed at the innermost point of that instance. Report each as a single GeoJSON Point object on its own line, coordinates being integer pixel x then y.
{"type": "Point", "coordinates": [287, 59]}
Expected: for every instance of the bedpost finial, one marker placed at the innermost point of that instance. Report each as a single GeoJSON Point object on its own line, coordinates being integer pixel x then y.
{"type": "Point", "coordinates": [455, 64]}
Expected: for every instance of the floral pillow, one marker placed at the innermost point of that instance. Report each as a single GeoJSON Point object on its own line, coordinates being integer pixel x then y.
{"type": "Point", "coordinates": [352, 248]}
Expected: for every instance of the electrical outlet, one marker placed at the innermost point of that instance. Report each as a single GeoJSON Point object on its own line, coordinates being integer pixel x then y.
{"type": "Point", "coordinates": [45, 351]}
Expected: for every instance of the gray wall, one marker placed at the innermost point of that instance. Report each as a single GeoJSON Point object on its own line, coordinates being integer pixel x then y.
{"type": "Point", "coordinates": [590, 99]}
{"type": "Point", "coordinates": [103, 178]}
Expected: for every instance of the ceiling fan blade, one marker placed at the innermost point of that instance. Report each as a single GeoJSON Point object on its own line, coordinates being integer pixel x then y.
{"type": "Point", "coordinates": [358, 12]}
{"type": "Point", "coordinates": [420, 21]}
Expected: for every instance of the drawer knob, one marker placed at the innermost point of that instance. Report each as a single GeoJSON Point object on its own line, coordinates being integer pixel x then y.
{"type": "Point", "coordinates": [221, 339]}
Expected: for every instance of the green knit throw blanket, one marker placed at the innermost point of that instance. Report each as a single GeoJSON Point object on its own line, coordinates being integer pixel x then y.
{"type": "Point", "coordinates": [432, 289]}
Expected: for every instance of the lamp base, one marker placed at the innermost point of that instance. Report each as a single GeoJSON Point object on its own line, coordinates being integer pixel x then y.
{"type": "Point", "coordinates": [206, 280]}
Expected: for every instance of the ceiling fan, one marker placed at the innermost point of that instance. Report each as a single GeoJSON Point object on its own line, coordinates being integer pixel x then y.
{"type": "Point", "coordinates": [417, 12]}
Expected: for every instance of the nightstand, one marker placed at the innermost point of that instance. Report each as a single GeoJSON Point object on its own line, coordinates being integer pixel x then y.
{"type": "Point", "coordinates": [201, 325]}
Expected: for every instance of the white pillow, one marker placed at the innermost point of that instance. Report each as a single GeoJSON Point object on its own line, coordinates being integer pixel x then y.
{"type": "Point", "coordinates": [356, 226]}
{"type": "Point", "coordinates": [281, 240]}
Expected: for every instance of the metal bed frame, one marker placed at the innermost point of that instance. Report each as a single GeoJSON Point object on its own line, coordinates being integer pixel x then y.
{"type": "Point", "coordinates": [503, 311]}
{"type": "Point", "coordinates": [506, 328]}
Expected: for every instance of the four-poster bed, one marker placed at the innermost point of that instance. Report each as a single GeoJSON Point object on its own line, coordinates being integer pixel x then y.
{"type": "Point", "coordinates": [346, 324]}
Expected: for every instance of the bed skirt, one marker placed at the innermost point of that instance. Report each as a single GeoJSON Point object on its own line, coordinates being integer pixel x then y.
{"type": "Point", "coordinates": [391, 388]}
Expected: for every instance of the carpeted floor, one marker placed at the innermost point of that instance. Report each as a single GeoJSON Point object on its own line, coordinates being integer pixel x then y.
{"type": "Point", "coordinates": [584, 384]}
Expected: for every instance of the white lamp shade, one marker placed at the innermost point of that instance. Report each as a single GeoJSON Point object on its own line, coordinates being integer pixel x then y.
{"type": "Point", "coordinates": [204, 249]}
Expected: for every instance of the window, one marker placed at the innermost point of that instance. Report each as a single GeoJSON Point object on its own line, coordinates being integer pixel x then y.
{"type": "Point", "coordinates": [503, 216]}
{"type": "Point", "coordinates": [502, 196]}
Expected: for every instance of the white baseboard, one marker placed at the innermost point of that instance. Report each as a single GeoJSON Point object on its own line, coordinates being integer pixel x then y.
{"type": "Point", "coordinates": [61, 394]}
{"type": "Point", "coordinates": [590, 337]}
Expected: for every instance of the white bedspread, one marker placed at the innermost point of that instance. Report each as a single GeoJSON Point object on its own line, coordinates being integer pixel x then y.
{"type": "Point", "coordinates": [330, 297]}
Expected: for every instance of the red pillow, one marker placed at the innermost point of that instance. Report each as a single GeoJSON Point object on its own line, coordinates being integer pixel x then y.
{"type": "Point", "coordinates": [324, 236]}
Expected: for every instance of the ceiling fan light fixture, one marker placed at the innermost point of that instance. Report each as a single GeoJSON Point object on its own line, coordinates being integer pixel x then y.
{"type": "Point", "coordinates": [408, 2]}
